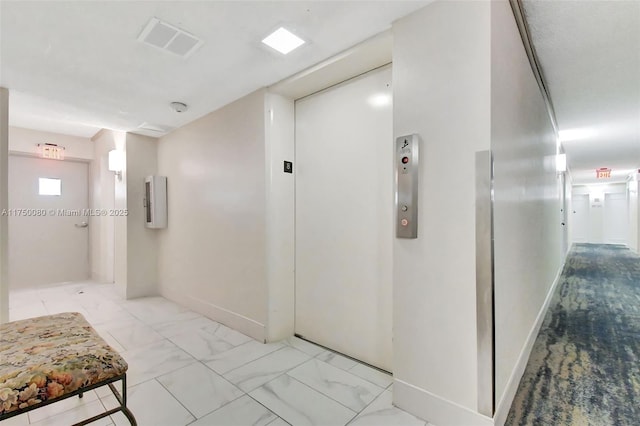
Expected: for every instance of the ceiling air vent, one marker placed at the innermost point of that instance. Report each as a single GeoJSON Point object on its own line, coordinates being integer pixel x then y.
{"type": "Point", "coordinates": [169, 38]}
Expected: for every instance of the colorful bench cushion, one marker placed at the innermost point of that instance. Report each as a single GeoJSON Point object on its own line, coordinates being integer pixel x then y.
{"type": "Point", "coordinates": [47, 357]}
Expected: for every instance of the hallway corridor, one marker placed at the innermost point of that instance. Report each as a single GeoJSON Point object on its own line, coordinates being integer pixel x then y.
{"type": "Point", "coordinates": [584, 368]}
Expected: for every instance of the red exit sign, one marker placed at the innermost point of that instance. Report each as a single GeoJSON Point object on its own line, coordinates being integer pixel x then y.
{"type": "Point", "coordinates": [51, 151]}
{"type": "Point", "coordinates": [603, 173]}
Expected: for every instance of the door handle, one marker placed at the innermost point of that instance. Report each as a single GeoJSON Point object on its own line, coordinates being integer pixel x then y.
{"type": "Point", "coordinates": [81, 225]}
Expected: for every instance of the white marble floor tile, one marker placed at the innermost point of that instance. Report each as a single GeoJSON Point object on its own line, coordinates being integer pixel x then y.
{"type": "Point", "coordinates": [111, 341]}
{"type": "Point", "coordinates": [21, 420]}
{"type": "Point", "coordinates": [134, 335]}
{"type": "Point", "coordinates": [381, 412]}
{"type": "Point", "coordinates": [337, 360]}
{"type": "Point", "coordinates": [151, 405]}
{"type": "Point", "coordinates": [201, 345]}
{"type": "Point", "coordinates": [204, 324]}
{"type": "Point", "coordinates": [262, 370]}
{"type": "Point", "coordinates": [300, 405]}
{"type": "Point", "coordinates": [229, 335]}
{"type": "Point", "coordinates": [303, 346]}
{"type": "Point", "coordinates": [23, 298]}
{"type": "Point", "coordinates": [241, 355]}
{"type": "Point", "coordinates": [175, 327]}
{"type": "Point", "coordinates": [168, 386]}
{"type": "Point", "coordinates": [77, 414]}
{"type": "Point", "coordinates": [102, 311]}
{"type": "Point", "coordinates": [154, 360]}
{"type": "Point", "coordinates": [66, 306]}
{"type": "Point", "coordinates": [377, 377]}
{"type": "Point", "coordinates": [349, 390]}
{"type": "Point", "coordinates": [278, 422]}
{"type": "Point", "coordinates": [199, 389]}
{"type": "Point", "coordinates": [35, 309]}
{"type": "Point", "coordinates": [116, 323]}
{"type": "Point", "coordinates": [243, 411]}
{"type": "Point", "coordinates": [152, 310]}
{"type": "Point", "coordinates": [61, 406]}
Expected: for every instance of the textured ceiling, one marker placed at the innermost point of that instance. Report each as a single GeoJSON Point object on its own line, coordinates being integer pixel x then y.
{"type": "Point", "coordinates": [590, 56]}
{"type": "Point", "coordinates": [75, 67]}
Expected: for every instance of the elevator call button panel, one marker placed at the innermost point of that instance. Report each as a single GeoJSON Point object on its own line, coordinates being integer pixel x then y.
{"type": "Point", "coordinates": [407, 172]}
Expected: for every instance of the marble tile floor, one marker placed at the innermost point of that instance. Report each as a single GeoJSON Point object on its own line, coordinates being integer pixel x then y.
{"type": "Point", "coordinates": [185, 369]}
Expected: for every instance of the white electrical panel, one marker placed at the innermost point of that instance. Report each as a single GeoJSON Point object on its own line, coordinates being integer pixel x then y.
{"type": "Point", "coordinates": [155, 201]}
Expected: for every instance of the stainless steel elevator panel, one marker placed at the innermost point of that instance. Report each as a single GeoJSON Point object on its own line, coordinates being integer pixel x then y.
{"type": "Point", "coordinates": [407, 172]}
{"type": "Point", "coordinates": [485, 283]}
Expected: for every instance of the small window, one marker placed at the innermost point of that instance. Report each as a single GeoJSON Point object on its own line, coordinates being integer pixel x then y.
{"type": "Point", "coordinates": [49, 186]}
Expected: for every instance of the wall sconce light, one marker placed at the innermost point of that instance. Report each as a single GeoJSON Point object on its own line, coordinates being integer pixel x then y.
{"type": "Point", "coordinates": [561, 163]}
{"type": "Point", "coordinates": [116, 162]}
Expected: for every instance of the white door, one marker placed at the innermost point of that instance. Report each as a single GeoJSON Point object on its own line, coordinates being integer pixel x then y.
{"type": "Point", "coordinates": [616, 219]}
{"type": "Point", "coordinates": [48, 241]}
{"type": "Point", "coordinates": [580, 215]}
{"type": "Point", "coordinates": [344, 207]}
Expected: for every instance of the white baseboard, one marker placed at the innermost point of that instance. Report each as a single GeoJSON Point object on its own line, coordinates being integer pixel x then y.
{"type": "Point", "coordinates": [224, 316]}
{"type": "Point", "coordinates": [434, 409]}
{"type": "Point", "coordinates": [504, 404]}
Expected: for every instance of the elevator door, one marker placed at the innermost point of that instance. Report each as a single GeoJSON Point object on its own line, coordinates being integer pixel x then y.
{"type": "Point", "coordinates": [344, 206]}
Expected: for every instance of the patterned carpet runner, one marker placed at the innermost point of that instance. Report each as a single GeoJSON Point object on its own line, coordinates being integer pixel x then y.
{"type": "Point", "coordinates": [584, 368]}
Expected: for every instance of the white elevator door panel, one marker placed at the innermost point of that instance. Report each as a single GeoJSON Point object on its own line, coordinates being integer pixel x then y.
{"type": "Point", "coordinates": [49, 248]}
{"type": "Point", "coordinates": [580, 225]}
{"type": "Point", "coordinates": [344, 209]}
{"type": "Point", "coordinates": [616, 219]}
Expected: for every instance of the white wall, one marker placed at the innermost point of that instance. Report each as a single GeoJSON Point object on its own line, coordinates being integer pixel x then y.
{"type": "Point", "coordinates": [142, 256]}
{"type": "Point", "coordinates": [26, 141]}
{"type": "Point", "coordinates": [102, 196]}
{"type": "Point", "coordinates": [528, 245]}
{"type": "Point", "coordinates": [597, 197]}
{"type": "Point", "coordinates": [212, 256]}
{"type": "Point", "coordinates": [568, 183]}
{"type": "Point", "coordinates": [634, 214]}
{"type": "Point", "coordinates": [4, 204]}
{"type": "Point", "coordinates": [441, 83]}
{"type": "Point", "coordinates": [279, 145]}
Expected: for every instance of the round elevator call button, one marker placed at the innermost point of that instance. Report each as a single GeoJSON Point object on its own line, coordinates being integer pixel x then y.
{"type": "Point", "coordinates": [405, 160]}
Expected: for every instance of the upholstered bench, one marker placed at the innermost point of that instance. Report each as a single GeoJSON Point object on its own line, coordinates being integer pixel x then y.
{"type": "Point", "coordinates": [47, 359]}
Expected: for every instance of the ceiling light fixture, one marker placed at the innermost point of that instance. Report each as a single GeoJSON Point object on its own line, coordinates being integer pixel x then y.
{"type": "Point", "coordinates": [283, 41]}
{"type": "Point", "coordinates": [178, 106]}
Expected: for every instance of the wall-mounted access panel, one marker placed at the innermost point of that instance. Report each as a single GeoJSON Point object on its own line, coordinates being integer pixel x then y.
{"type": "Point", "coordinates": [155, 201]}
{"type": "Point", "coordinates": [407, 173]}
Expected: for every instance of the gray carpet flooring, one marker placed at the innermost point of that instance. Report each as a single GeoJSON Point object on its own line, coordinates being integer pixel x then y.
{"type": "Point", "coordinates": [584, 368]}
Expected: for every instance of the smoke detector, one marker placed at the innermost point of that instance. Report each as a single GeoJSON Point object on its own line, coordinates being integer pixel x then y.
{"type": "Point", "coordinates": [178, 106]}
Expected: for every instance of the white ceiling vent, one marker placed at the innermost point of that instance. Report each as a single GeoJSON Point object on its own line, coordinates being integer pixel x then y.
{"type": "Point", "coordinates": [169, 38]}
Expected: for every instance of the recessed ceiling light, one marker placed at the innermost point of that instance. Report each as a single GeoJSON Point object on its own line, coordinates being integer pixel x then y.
{"type": "Point", "coordinates": [283, 41]}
